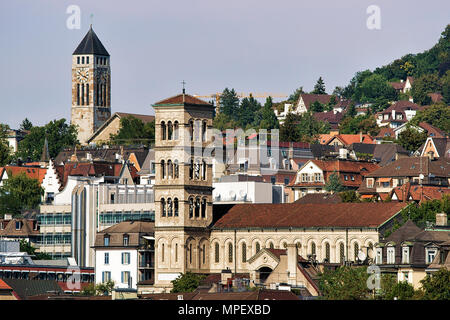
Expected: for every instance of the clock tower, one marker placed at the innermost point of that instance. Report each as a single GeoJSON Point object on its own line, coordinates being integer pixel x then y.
{"type": "Point", "coordinates": [91, 86]}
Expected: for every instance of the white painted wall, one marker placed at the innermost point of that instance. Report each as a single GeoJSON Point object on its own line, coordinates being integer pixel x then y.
{"type": "Point", "coordinates": [242, 191]}
{"type": "Point", "coordinates": [115, 266]}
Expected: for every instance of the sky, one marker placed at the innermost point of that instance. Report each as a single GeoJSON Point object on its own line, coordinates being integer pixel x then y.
{"type": "Point", "coordinates": [258, 46]}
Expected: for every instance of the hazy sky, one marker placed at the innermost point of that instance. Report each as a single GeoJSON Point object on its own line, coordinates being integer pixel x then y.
{"type": "Point", "coordinates": [249, 45]}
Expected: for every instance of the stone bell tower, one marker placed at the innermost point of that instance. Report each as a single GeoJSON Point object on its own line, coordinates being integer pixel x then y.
{"type": "Point", "coordinates": [183, 187]}
{"type": "Point", "coordinates": [91, 86]}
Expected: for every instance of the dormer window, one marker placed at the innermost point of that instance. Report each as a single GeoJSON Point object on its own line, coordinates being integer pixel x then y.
{"type": "Point", "coordinates": [18, 225]}
{"type": "Point", "coordinates": [379, 256]}
{"type": "Point", "coordinates": [430, 253]}
{"type": "Point", "coordinates": [390, 255]}
{"type": "Point", "coordinates": [405, 255]}
{"type": "Point", "coordinates": [106, 241]}
{"type": "Point", "coordinates": [126, 239]}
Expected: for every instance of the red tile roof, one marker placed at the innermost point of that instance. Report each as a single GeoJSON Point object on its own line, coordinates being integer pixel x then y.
{"type": "Point", "coordinates": [386, 132]}
{"type": "Point", "coordinates": [34, 172]}
{"type": "Point", "coordinates": [308, 215]}
{"type": "Point", "coordinates": [432, 131]}
{"type": "Point", "coordinates": [309, 98]}
{"type": "Point", "coordinates": [178, 99]}
{"type": "Point", "coordinates": [347, 139]}
{"type": "Point", "coordinates": [4, 286]}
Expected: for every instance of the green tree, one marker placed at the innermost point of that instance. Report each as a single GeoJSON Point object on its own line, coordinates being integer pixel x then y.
{"type": "Point", "coordinates": [100, 289]}
{"type": "Point", "coordinates": [437, 115]}
{"type": "Point", "coordinates": [345, 283]}
{"type": "Point", "coordinates": [375, 88]}
{"type": "Point", "coordinates": [294, 96]}
{"type": "Point", "coordinates": [269, 119]}
{"type": "Point", "coordinates": [316, 106]}
{"type": "Point", "coordinates": [334, 184]}
{"type": "Point", "coordinates": [319, 87]}
{"type": "Point", "coordinates": [25, 246]}
{"type": "Point", "coordinates": [303, 127]}
{"type": "Point", "coordinates": [289, 129]}
{"type": "Point", "coordinates": [221, 122]}
{"type": "Point", "coordinates": [59, 134]}
{"type": "Point", "coordinates": [411, 139]}
{"type": "Point", "coordinates": [229, 103]}
{"type": "Point", "coordinates": [426, 211]}
{"type": "Point", "coordinates": [26, 125]}
{"type": "Point", "coordinates": [362, 123]}
{"type": "Point", "coordinates": [134, 131]}
{"type": "Point", "coordinates": [424, 85]}
{"type": "Point", "coordinates": [437, 286]}
{"type": "Point", "coordinates": [19, 192]}
{"type": "Point", "coordinates": [5, 150]}
{"type": "Point", "coordinates": [349, 196]}
{"type": "Point", "coordinates": [187, 282]}
{"type": "Point", "coordinates": [446, 87]}
{"type": "Point", "coordinates": [248, 108]}
{"type": "Point", "coordinates": [391, 288]}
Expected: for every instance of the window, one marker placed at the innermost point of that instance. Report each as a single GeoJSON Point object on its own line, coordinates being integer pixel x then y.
{"type": "Point", "coordinates": [286, 181]}
{"type": "Point", "coordinates": [197, 207]}
{"type": "Point", "coordinates": [175, 130]}
{"type": "Point", "coordinates": [356, 250]}
{"type": "Point", "coordinates": [313, 249]}
{"type": "Point", "coordinates": [191, 130]}
{"type": "Point", "coordinates": [78, 60]}
{"type": "Point", "coordinates": [162, 252]}
{"type": "Point", "coordinates": [369, 183]}
{"type": "Point", "coordinates": [345, 177]}
{"type": "Point", "coordinates": [175, 169]}
{"type": "Point", "coordinates": [106, 241]}
{"type": "Point", "coordinates": [163, 207]}
{"type": "Point", "coordinates": [175, 206]}
{"type": "Point", "coordinates": [405, 254]}
{"type": "Point", "coordinates": [190, 253]}
{"type": "Point", "coordinates": [78, 94]}
{"type": "Point", "coordinates": [230, 252]}
{"type": "Point", "coordinates": [163, 130]}
{"type": "Point", "coordinates": [204, 170]}
{"type": "Point", "coordinates": [342, 253]}
{"type": "Point", "coordinates": [106, 276]}
{"type": "Point", "coordinates": [244, 252]}
{"type": "Point", "coordinates": [379, 257]}
{"type": "Point", "coordinates": [169, 130]}
{"type": "Point", "coordinates": [272, 179]}
{"type": "Point", "coordinates": [163, 169]}
{"type": "Point", "coordinates": [18, 225]}
{"type": "Point", "coordinates": [430, 254]}
{"type": "Point", "coordinates": [106, 257]}
{"type": "Point", "coordinates": [126, 239]}
{"type": "Point", "coordinates": [305, 177]}
{"type": "Point", "coordinates": [204, 208]}
{"type": "Point", "coordinates": [191, 207]}
{"type": "Point", "coordinates": [82, 60]}
{"type": "Point", "coordinates": [125, 276]}
{"type": "Point", "coordinates": [204, 131]}
{"type": "Point", "coordinates": [204, 254]}
{"type": "Point", "coordinates": [353, 178]}
{"type": "Point", "coordinates": [87, 93]}
{"type": "Point", "coordinates": [317, 177]}
{"type": "Point", "coordinates": [169, 207]}
{"type": "Point", "coordinates": [390, 255]}
{"type": "Point", "coordinates": [197, 170]}
{"type": "Point", "coordinates": [125, 258]}
{"type": "Point", "coordinates": [258, 247]}
{"type": "Point", "coordinates": [82, 94]}
{"type": "Point", "coordinates": [327, 252]}
{"type": "Point", "coordinates": [216, 252]}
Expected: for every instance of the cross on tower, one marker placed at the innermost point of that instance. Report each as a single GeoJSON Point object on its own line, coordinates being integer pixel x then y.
{"type": "Point", "coordinates": [183, 83]}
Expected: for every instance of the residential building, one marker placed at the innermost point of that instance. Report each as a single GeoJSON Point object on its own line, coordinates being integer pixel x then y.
{"type": "Point", "coordinates": [19, 229]}
{"type": "Point", "coordinates": [397, 114]}
{"type": "Point", "coordinates": [435, 148]}
{"type": "Point", "coordinates": [410, 250]}
{"type": "Point", "coordinates": [124, 253]}
{"type": "Point", "coordinates": [314, 174]}
{"type": "Point", "coordinates": [240, 188]}
{"type": "Point", "coordinates": [345, 139]}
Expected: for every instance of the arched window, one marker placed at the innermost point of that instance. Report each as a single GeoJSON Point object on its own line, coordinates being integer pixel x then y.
{"type": "Point", "coordinates": [230, 252]}
{"type": "Point", "coordinates": [175, 130]}
{"type": "Point", "coordinates": [163, 130]}
{"type": "Point", "coordinates": [191, 207]}
{"type": "Point", "coordinates": [175, 206]}
{"type": "Point", "coordinates": [258, 247]}
{"type": "Point", "coordinates": [176, 252]}
{"type": "Point", "coordinates": [163, 207]}
{"type": "Point", "coordinates": [169, 207]}
{"type": "Point", "coordinates": [82, 60]}
{"type": "Point", "coordinates": [197, 207]}
{"type": "Point", "coordinates": [271, 245]}
{"type": "Point", "coordinates": [169, 169]}
{"type": "Point", "coordinates": [87, 93]}
{"type": "Point", "coordinates": [191, 129]}
{"type": "Point", "coordinates": [197, 170]}
{"type": "Point", "coordinates": [78, 94]}
{"type": "Point", "coordinates": [356, 250]}
{"type": "Point", "coordinates": [204, 131]}
{"type": "Point", "coordinates": [341, 253]}
{"type": "Point", "coordinates": [162, 252]}
{"type": "Point", "coordinates": [244, 252]}
{"type": "Point", "coordinates": [327, 252]}
{"type": "Point", "coordinates": [105, 96]}
{"type": "Point", "coordinates": [82, 94]}
{"type": "Point", "coordinates": [190, 253]}
{"type": "Point", "coordinates": [97, 95]}
{"type": "Point", "coordinates": [204, 170]}
{"type": "Point", "coordinates": [313, 248]}
{"type": "Point", "coordinates": [216, 252]}
{"type": "Point", "coordinates": [169, 130]}
{"type": "Point", "coordinates": [191, 169]}
{"type": "Point", "coordinates": [204, 253]}
{"type": "Point", "coordinates": [204, 208]}
{"type": "Point", "coordinates": [163, 169]}
{"type": "Point", "coordinates": [176, 169]}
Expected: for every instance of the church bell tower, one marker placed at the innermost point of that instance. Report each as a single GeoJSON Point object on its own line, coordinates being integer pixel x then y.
{"type": "Point", "coordinates": [91, 86]}
{"type": "Point", "coordinates": [183, 187]}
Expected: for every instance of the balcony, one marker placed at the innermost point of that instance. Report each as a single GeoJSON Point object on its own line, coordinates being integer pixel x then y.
{"type": "Point", "coordinates": [146, 265]}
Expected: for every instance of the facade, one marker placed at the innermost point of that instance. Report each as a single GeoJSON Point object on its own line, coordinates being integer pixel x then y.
{"type": "Point", "coordinates": [124, 253]}
{"type": "Point", "coordinates": [242, 189]}
{"type": "Point", "coordinates": [91, 86]}
{"type": "Point", "coordinates": [19, 228]}
{"type": "Point", "coordinates": [435, 148]}
{"type": "Point", "coordinates": [397, 114]}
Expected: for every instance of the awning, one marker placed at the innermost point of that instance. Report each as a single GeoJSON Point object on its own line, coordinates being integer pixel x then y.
{"type": "Point", "coordinates": [148, 237]}
{"type": "Point", "coordinates": [384, 180]}
{"type": "Point", "coordinates": [367, 196]}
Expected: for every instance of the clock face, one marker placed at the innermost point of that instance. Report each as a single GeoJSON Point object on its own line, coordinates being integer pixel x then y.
{"type": "Point", "coordinates": [83, 75]}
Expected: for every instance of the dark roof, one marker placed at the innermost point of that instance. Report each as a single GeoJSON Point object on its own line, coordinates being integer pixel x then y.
{"type": "Point", "coordinates": [413, 167]}
{"type": "Point", "coordinates": [386, 153]}
{"type": "Point", "coordinates": [134, 230]}
{"type": "Point", "coordinates": [442, 146]}
{"type": "Point", "coordinates": [91, 44]}
{"type": "Point", "coordinates": [308, 215]}
{"type": "Point", "coordinates": [406, 231]}
{"type": "Point", "coordinates": [323, 150]}
{"type": "Point", "coordinates": [363, 147]}
{"type": "Point", "coordinates": [183, 99]}
{"type": "Point", "coordinates": [320, 198]}
{"type": "Point", "coordinates": [27, 288]}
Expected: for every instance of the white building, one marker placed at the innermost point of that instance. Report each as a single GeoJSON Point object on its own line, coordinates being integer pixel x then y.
{"type": "Point", "coordinates": [242, 189]}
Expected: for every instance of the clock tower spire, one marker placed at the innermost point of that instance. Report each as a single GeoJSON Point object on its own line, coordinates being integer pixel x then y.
{"type": "Point", "coordinates": [91, 86]}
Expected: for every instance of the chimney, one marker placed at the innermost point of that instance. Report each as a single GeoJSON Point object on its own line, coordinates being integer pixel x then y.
{"type": "Point", "coordinates": [7, 216]}
{"type": "Point", "coordinates": [441, 219]}
{"type": "Point", "coordinates": [360, 136]}
{"type": "Point", "coordinates": [292, 261]}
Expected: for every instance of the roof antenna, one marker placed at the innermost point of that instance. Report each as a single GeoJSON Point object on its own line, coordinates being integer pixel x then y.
{"type": "Point", "coordinates": [92, 19]}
